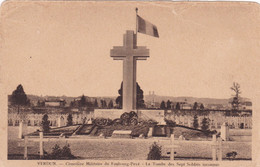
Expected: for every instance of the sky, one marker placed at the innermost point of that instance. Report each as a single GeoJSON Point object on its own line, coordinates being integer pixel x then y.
{"type": "Point", "coordinates": [62, 47]}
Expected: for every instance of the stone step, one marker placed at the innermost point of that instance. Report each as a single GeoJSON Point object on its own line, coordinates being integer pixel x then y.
{"type": "Point", "coordinates": [122, 134]}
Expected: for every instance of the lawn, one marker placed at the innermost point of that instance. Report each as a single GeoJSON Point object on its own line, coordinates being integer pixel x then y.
{"type": "Point", "coordinates": [132, 149]}
{"type": "Point", "coordinates": [123, 149]}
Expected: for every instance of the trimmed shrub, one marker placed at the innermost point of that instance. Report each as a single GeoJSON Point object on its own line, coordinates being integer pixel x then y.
{"type": "Point", "coordinates": [170, 123]}
{"type": "Point", "coordinates": [155, 152]}
{"type": "Point", "coordinates": [61, 153]}
{"type": "Point", "coordinates": [45, 123]}
{"type": "Point", "coordinates": [69, 120]}
{"type": "Point", "coordinates": [205, 125]}
{"type": "Point", "coordinates": [195, 122]}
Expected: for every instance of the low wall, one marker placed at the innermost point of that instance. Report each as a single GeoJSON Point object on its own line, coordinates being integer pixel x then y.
{"type": "Point", "coordinates": [157, 115]}
{"type": "Point", "coordinates": [108, 113]}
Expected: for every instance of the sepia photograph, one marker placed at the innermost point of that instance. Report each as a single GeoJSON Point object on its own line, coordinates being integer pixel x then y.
{"type": "Point", "coordinates": [94, 83]}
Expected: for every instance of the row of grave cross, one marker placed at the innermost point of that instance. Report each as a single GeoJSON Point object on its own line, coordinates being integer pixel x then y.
{"type": "Point", "coordinates": [216, 147]}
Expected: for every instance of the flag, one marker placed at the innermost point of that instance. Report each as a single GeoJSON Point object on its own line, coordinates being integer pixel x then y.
{"type": "Point", "coordinates": [146, 27]}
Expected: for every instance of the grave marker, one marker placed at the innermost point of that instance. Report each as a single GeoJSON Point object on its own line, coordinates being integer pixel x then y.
{"type": "Point", "coordinates": [121, 134]}
{"type": "Point", "coordinates": [224, 132]}
{"type": "Point", "coordinates": [172, 146]}
{"type": "Point", "coordinates": [22, 127]}
{"type": "Point", "coordinates": [220, 149]}
{"type": "Point", "coordinates": [150, 132]}
{"type": "Point", "coordinates": [214, 147]}
{"type": "Point", "coordinates": [129, 53]}
{"type": "Point", "coordinates": [61, 121]}
{"type": "Point", "coordinates": [29, 143]}
{"type": "Point", "coordinates": [41, 145]}
{"type": "Point", "coordinates": [217, 148]}
{"type": "Point", "coordinates": [26, 147]}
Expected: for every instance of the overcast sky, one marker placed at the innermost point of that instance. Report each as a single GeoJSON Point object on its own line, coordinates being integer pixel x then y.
{"type": "Point", "coordinates": [62, 48]}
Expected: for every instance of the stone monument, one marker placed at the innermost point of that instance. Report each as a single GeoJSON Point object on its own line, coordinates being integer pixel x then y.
{"type": "Point", "coordinates": [61, 121]}
{"type": "Point", "coordinates": [129, 53]}
{"type": "Point", "coordinates": [22, 129]}
{"type": "Point", "coordinates": [224, 132]}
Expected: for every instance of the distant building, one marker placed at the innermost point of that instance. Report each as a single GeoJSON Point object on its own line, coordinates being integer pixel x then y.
{"type": "Point", "coordinates": [186, 106]}
{"type": "Point", "coordinates": [152, 105]}
{"type": "Point", "coordinates": [246, 105]}
{"type": "Point", "coordinates": [183, 105]}
{"type": "Point", "coordinates": [215, 106]}
{"type": "Point", "coordinates": [151, 102]}
{"type": "Point", "coordinates": [54, 103]}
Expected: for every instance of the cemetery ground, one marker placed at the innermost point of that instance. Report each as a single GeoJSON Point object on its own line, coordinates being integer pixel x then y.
{"type": "Point", "coordinates": [100, 148]}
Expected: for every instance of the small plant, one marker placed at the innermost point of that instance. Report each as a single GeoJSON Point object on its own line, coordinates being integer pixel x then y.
{"type": "Point", "coordinates": [56, 151]}
{"type": "Point", "coordinates": [231, 155]}
{"type": "Point", "coordinates": [45, 123]}
{"type": "Point", "coordinates": [155, 152]}
{"type": "Point", "coordinates": [61, 153]}
{"type": "Point", "coordinates": [170, 123]}
{"type": "Point", "coordinates": [66, 152]}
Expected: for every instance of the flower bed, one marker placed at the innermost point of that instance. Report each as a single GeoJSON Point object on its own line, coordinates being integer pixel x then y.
{"type": "Point", "coordinates": [66, 130]}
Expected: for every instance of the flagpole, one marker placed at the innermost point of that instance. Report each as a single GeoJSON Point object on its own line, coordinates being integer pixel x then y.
{"type": "Point", "coordinates": [136, 11]}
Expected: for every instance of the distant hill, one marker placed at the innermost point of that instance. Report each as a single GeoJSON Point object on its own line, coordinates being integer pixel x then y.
{"type": "Point", "coordinates": [189, 100]}
{"type": "Point", "coordinates": [147, 98]}
{"type": "Point", "coordinates": [68, 99]}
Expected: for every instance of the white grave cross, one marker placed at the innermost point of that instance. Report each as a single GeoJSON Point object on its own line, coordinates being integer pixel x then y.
{"type": "Point", "coordinates": [129, 53]}
{"type": "Point", "coordinates": [27, 143]}
{"type": "Point", "coordinates": [214, 146]}
{"type": "Point", "coordinates": [217, 148]}
{"type": "Point", "coordinates": [172, 146]}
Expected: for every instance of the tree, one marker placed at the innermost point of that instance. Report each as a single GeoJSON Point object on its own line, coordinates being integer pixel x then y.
{"type": "Point", "coordinates": [202, 107]}
{"type": "Point", "coordinates": [162, 106]}
{"type": "Point", "coordinates": [40, 103]}
{"type": "Point", "coordinates": [195, 106]}
{"type": "Point", "coordinates": [205, 124]}
{"type": "Point", "coordinates": [139, 97]}
{"type": "Point", "coordinates": [19, 98]}
{"type": "Point", "coordinates": [236, 97]}
{"type": "Point", "coordinates": [82, 101]}
{"type": "Point", "coordinates": [195, 122]}
{"type": "Point", "coordinates": [178, 107]}
{"type": "Point", "coordinates": [45, 123]}
{"type": "Point", "coordinates": [69, 120]}
{"type": "Point", "coordinates": [103, 103]}
{"type": "Point", "coordinates": [111, 104]}
{"type": "Point", "coordinates": [95, 104]}
{"type": "Point", "coordinates": [72, 103]}
{"type": "Point", "coordinates": [168, 104]}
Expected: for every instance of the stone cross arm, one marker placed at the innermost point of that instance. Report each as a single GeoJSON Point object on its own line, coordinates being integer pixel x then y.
{"type": "Point", "coordinates": [172, 146]}
{"type": "Point", "coordinates": [120, 52]}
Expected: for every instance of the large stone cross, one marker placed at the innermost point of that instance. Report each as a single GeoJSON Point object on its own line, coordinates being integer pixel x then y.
{"type": "Point", "coordinates": [129, 53]}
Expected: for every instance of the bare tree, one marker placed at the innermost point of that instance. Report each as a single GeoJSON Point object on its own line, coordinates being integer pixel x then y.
{"type": "Point", "coordinates": [236, 97]}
